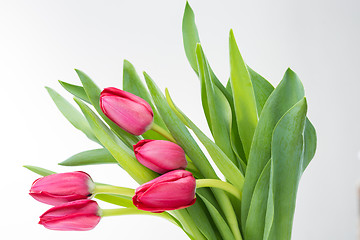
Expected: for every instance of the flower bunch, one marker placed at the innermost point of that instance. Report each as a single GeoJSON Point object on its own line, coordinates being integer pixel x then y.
{"type": "Point", "coordinates": [261, 143]}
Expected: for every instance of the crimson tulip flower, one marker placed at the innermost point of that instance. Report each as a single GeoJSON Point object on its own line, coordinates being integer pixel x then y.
{"type": "Point", "coordinates": [80, 215]}
{"type": "Point", "coordinates": [128, 111]}
{"type": "Point", "coordinates": [173, 190]}
{"type": "Point", "coordinates": [60, 188]}
{"type": "Point", "coordinates": [160, 156]}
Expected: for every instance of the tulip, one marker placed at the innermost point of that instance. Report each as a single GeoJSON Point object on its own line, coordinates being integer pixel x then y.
{"type": "Point", "coordinates": [173, 190]}
{"type": "Point", "coordinates": [80, 215]}
{"type": "Point", "coordinates": [128, 111]}
{"type": "Point", "coordinates": [160, 156]}
{"type": "Point", "coordinates": [60, 188]}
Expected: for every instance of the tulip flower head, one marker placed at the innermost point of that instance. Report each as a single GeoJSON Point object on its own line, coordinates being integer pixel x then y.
{"type": "Point", "coordinates": [160, 156]}
{"type": "Point", "coordinates": [171, 191]}
{"type": "Point", "coordinates": [128, 111]}
{"type": "Point", "coordinates": [80, 215]}
{"type": "Point", "coordinates": [61, 188]}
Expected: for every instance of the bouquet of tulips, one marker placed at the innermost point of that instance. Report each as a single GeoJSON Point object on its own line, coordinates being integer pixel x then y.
{"type": "Point", "coordinates": [261, 142]}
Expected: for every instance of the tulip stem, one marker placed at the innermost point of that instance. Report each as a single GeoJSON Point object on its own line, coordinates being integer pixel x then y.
{"type": "Point", "coordinates": [134, 211]}
{"type": "Point", "coordinates": [215, 183]}
{"type": "Point", "coordinates": [162, 132]}
{"type": "Point", "coordinates": [102, 188]}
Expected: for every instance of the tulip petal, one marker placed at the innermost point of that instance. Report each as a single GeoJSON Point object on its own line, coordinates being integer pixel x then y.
{"type": "Point", "coordinates": [62, 187]}
{"type": "Point", "coordinates": [78, 215]}
{"type": "Point", "coordinates": [173, 190]}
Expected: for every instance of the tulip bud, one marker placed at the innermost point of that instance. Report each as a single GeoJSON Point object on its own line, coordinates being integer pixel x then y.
{"type": "Point", "coordinates": [60, 188]}
{"type": "Point", "coordinates": [160, 156]}
{"type": "Point", "coordinates": [128, 111]}
{"type": "Point", "coordinates": [173, 190]}
{"type": "Point", "coordinates": [80, 215]}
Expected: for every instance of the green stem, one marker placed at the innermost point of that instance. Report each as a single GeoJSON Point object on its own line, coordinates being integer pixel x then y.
{"type": "Point", "coordinates": [215, 183]}
{"type": "Point", "coordinates": [188, 224]}
{"type": "Point", "coordinates": [100, 188]}
{"type": "Point", "coordinates": [162, 132]}
{"type": "Point", "coordinates": [134, 211]}
{"type": "Point", "coordinates": [225, 201]}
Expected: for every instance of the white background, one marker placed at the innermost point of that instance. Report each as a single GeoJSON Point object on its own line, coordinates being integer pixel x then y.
{"type": "Point", "coordinates": [43, 41]}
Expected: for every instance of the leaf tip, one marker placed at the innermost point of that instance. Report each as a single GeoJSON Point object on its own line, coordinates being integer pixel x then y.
{"type": "Point", "coordinates": [188, 7]}
{"type": "Point", "coordinates": [231, 34]}
{"type": "Point", "coordinates": [126, 63]}
{"type": "Point", "coordinates": [79, 73]}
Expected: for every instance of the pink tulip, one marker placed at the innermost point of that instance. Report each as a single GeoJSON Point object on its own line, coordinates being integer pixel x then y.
{"type": "Point", "coordinates": [80, 215]}
{"type": "Point", "coordinates": [128, 111]}
{"type": "Point", "coordinates": [173, 190]}
{"type": "Point", "coordinates": [60, 188]}
{"type": "Point", "coordinates": [160, 156]}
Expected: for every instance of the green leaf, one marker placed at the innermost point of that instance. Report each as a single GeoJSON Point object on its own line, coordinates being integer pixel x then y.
{"type": "Point", "coordinates": [38, 170]}
{"type": "Point", "coordinates": [255, 222]}
{"type": "Point", "coordinates": [243, 94]}
{"type": "Point", "coordinates": [71, 114]}
{"type": "Point", "coordinates": [179, 131]}
{"type": "Point", "coordinates": [91, 157]}
{"type": "Point", "coordinates": [309, 143]}
{"type": "Point", "coordinates": [191, 39]}
{"type": "Point", "coordinates": [190, 36]}
{"type": "Point", "coordinates": [286, 164]}
{"type": "Point", "coordinates": [205, 227]}
{"type": "Point", "coordinates": [219, 220]}
{"type": "Point", "coordinates": [236, 143]}
{"type": "Point", "coordinates": [219, 109]}
{"type": "Point", "coordinates": [287, 94]}
{"type": "Point", "coordinates": [262, 89]}
{"type": "Point", "coordinates": [133, 84]}
{"type": "Point", "coordinates": [225, 165]}
{"type": "Point", "coordinates": [93, 92]}
{"type": "Point", "coordinates": [115, 199]}
{"type": "Point", "coordinates": [118, 149]}
{"type": "Point", "coordinates": [77, 91]}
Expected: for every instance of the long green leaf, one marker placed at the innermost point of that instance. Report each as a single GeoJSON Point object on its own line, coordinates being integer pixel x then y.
{"type": "Point", "coordinates": [243, 94]}
{"type": "Point", "coordinates": [255, 222]}
{"type": "Point", "coordinates": [90, 157]}
{"type": "Point", "coordinates": [309, 143]}
{"type": "Point", "coordinates": [287, 93]}
{"type": "Point", "coordinates": [219, 109]}
{"type": "Point", "coordinates": [179, 131]}
{"type": "Point", "coordinates": [190, 36]}
{"type": "Point", "coordinates": [38, 170]}
{"type": "Point", "coordinates": [118, 149]}
{"type": "Point", "coordinates": [206, 228]}
{"type": "Point", "coordinates": [93, 92]}
{"type": "Point", "coordinates": [191, 39]}
{"type": "Point", "coordinates": [262, 89]}
{"type": "Point", "coordinates": [77, 91]}
{"type": "Point", "coordinates": [287, 159]}
{"type": "Point", "coordinates": [225, 165]}
{"type": "Point", "coordinates": [71, 114]}
{"type": "Point", "coordinates": [133, 84]}
{"type": "Point", "coordinates": [219, 220]}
